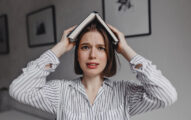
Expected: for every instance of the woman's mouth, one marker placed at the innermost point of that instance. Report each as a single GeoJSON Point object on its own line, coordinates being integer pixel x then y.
{"type": "Point", "coordinates": [92, 65]}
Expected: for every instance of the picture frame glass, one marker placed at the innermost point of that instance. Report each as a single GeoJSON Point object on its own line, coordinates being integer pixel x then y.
{"type": "Point", "coordinates": [41, 27]}
{"type": "Point", "coordinates": [3, 34]}
{"type": "Point", "coordinates": [131, 17]}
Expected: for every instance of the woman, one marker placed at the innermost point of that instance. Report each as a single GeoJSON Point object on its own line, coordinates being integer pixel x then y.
{"type": "Point", "coordinates": [93, 96]}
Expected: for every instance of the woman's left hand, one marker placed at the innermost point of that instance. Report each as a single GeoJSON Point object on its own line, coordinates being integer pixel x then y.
{"type": "Point", "coordinates": [123, 48]}
{"type": "Point", "coordinates": [122, 44]}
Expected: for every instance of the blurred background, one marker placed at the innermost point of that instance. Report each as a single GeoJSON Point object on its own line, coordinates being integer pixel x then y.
{"type": "Point", "coordinates": [168, 47]}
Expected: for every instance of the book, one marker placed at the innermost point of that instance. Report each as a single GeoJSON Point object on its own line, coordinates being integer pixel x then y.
{"type": "Point", "coordinates": [92, 16]}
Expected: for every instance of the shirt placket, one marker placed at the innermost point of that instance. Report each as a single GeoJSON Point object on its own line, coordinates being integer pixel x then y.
{"type": "Point", "coordinates": [92, 108]}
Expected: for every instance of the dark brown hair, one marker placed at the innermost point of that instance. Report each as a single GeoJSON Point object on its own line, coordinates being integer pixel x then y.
{"type": "Point", "coordinates": [111, 66]}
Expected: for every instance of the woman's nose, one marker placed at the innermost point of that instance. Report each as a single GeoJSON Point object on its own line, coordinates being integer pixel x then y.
{"type": "Point", "coordinates": [92, 54]}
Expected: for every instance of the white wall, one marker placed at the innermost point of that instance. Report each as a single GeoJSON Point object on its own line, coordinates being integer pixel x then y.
{"type": "Point", "coordinates": [168, 46]}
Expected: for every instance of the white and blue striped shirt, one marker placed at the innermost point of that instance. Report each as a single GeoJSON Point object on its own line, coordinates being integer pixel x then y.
{"type": "Point", "coordinates": [115, 100]}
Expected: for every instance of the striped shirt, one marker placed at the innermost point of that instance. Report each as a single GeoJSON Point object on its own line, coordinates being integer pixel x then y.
{"type": "Point", "coordinates": [115, 100]}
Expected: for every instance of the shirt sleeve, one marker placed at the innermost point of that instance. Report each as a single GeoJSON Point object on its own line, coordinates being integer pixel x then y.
{"type": "Point", "coordinates": [31, 86]}
{"type": "Point", "coordinates": [154, 91]}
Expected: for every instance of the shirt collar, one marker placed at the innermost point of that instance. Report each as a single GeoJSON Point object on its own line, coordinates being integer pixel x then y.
{"type": "Point", "coordinates": [108, 82]}
{"type": "Point", "coordinates": [77, 83]}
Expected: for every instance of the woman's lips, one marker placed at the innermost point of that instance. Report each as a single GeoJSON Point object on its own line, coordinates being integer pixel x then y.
{"type": "Point", "coordinates": [92, 65]}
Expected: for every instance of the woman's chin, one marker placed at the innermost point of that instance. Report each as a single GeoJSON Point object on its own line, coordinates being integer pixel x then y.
{"type": "Point", "coordinates": [92, 73]}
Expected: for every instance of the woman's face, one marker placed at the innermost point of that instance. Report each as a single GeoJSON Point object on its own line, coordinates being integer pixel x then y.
{"type": "Point", "coordinates": [92, 56]}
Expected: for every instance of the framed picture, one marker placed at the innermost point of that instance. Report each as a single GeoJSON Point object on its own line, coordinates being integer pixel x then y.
{"type": "Point", "coordinates": [131, 17]}
{"type": "Point", "coordinates": [41, 27]}
{"type": "Point", "coordinates": [4, 44]}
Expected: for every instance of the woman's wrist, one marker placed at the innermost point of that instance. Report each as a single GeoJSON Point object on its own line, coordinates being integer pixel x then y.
{"type": "Point", "coordinates": [128, 53]}
{"type": "Point", "coordinates": [59, 49]}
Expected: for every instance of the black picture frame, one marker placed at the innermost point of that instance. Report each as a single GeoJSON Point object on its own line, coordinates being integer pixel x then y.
{"type": "Point", "coordinates": [41, 27]}
{"type": "Point", "coordinates": [4, 40]}
{"type": "Point", "coordinates": [131, 17]}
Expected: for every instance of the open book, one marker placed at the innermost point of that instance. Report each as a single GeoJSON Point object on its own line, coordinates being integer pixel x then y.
{"type": "Point", "coordinates": [94, 15]}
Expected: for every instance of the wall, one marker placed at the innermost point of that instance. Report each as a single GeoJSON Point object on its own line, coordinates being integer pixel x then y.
{"type": "Point", "coordinates": [168, 46]}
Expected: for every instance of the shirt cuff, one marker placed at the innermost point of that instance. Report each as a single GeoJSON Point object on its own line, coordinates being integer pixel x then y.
{"type": "Point", "coordinates": [48, 57]}
{"type": "Point", "coordinates": [137, 59]}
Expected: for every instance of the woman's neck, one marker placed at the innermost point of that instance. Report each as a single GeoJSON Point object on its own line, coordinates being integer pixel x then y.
{"type": "Point", "coordinates": [92, 83]}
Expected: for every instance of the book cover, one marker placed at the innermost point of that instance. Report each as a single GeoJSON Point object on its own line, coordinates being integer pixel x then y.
{"type": "Point", "coordinates": [92, 17]}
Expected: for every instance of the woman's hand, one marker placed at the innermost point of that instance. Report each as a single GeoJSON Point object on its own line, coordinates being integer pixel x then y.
{"type": "Point", "coordinates": [64, 45]}
{"type": "Point", "coordinates": [122, 44]}
{"type": "Point", "coordinates": [123, 48]}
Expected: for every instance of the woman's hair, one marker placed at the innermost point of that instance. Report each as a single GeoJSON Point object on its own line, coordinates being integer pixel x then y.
{"type": "Point", "coordinates": [111, 66]}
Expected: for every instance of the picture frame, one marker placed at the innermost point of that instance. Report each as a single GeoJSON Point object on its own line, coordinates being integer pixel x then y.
{"type": "Point", "coordinates": [131, 17]}
{"type": "Point", "coordinates": [4, 40]}
{"type": "Point", "coordinates": [41, 27]}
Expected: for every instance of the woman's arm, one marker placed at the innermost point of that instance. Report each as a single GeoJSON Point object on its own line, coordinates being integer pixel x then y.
{"type": "Point", "coordinates": [31, 86]}
{"type": "Point", "coordinates": [155, 90]}
{"type": "Point", "coordinates": [63, 46]}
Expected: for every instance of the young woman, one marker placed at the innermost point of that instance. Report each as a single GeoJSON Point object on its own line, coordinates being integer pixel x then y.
{"type": "Point", "coordinates": [93, 96]}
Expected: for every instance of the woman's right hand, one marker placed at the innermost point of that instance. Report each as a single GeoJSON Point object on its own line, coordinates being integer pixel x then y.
{"type": "Point", "coordinates": [64, 45]}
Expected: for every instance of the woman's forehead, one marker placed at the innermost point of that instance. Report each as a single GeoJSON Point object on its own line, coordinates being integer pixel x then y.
{"type": "Point", "coordinates": [92, 37]}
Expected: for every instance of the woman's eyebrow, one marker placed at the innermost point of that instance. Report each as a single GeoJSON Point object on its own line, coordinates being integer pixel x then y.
{"type": "Point", "coordinates": [84, 43]}
{"type": "Point", "coordinates": [100, 45]}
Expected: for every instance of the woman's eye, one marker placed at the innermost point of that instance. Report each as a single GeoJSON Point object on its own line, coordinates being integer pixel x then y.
{"type": "Point", "coordinates": [101, 48]}
{"type": "Point", "coordinates": [84, 47]}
